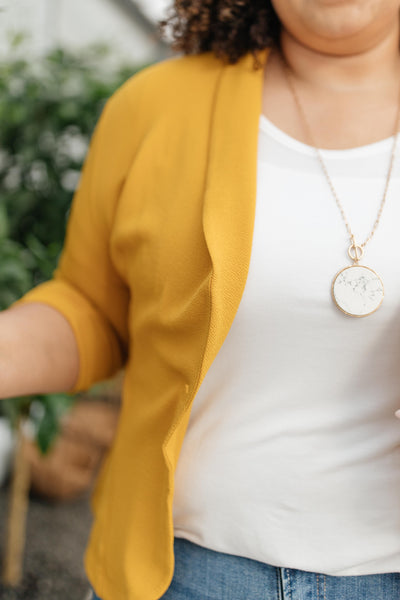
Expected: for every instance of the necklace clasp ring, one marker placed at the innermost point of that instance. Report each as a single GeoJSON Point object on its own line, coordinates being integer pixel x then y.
{"type": "Point", "coordinates": [355, 252]}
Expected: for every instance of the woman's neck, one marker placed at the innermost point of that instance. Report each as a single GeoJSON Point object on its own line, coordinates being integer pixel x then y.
{"type": "Point", "coordinates": [363, 66]}
{"type": "Point", "coordinates": [350, 100]}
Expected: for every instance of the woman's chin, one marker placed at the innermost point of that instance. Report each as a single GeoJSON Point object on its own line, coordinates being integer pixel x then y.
{"type": "Point", "coordinates": [337, 25]}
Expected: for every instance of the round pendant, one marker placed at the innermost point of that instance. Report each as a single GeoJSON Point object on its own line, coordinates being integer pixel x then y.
{"type": "Point", "coordinates": [357, 290]}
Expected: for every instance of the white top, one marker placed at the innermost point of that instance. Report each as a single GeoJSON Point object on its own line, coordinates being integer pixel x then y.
{"type": "Point", "coordinates": [292, 452]}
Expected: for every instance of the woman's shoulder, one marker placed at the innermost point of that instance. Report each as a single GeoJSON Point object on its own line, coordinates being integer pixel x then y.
{"type": "Point", "coordinates": [178, 70]}
{"type": "Point", "coordinates": [174, 82]}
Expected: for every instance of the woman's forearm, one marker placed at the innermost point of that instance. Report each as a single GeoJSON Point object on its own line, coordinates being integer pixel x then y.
{"type": "Point", "coordinates": [38, 351]}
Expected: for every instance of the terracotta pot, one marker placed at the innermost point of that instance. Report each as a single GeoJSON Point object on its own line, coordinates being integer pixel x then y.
{"type": "Point", "coordinates": [70, 467]}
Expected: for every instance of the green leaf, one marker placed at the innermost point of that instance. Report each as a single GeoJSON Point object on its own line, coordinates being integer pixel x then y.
{"type": "Point", "coordinates": [13, 408]}
{"type": "Point", "coordinates": [55, 406]}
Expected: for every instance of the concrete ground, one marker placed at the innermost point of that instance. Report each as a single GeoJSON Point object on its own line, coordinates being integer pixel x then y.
{"type": "Point", "coordinates": [56, 540]}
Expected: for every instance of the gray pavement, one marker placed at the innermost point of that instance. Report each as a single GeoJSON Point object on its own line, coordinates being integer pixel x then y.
{"type": "Point", "coordinates": [56, 540]}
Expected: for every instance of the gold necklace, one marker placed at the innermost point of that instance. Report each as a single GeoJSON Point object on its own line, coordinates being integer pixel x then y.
{"type": "Point", "coordinates": [357, 290]}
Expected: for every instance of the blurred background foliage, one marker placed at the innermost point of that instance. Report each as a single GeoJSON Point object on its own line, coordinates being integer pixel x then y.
{"type": "Point", "coordinates": [48, 110]}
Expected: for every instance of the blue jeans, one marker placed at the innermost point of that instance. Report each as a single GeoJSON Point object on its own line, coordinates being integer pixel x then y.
{"type": "Point", "coordinates": [202, 574]}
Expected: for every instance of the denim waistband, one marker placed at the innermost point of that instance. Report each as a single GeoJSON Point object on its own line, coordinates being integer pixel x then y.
{"type": "Point", "coordinates": [204, 574]}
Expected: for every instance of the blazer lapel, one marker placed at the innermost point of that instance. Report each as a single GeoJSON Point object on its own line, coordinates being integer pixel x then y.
{"type": "Point", "coordinates": [230, 196]}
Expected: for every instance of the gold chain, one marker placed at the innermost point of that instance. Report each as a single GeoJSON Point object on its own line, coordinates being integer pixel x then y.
{"type": "Point", "coordinates": [306, 124]}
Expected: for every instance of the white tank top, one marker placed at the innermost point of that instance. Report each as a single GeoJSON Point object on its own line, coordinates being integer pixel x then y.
{"type": "Point", "coordinates": [292, 452]}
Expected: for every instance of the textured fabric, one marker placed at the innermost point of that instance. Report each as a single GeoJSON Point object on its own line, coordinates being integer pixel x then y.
{"type": "Point", "coordinates": [152, 272]}
{"type": "Point", "coordinates": [203, 574]}
{"type": "Point", "coordinates": [299, 403]}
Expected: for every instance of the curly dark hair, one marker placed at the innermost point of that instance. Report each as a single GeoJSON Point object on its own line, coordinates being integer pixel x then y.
{"type": "Point", "coordinates": [228, 28]}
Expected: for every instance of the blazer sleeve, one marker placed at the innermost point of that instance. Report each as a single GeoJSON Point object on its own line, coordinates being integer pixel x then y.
{"type": "Point", "coordinates": [86, 287]}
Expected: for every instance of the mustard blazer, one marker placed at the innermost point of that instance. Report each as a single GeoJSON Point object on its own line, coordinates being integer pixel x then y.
{"type": "Point", "coordinates": [151, 276]}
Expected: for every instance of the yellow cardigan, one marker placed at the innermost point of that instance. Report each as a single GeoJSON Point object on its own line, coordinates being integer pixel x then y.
{"type": "Point", "coordinates": [151, 276]}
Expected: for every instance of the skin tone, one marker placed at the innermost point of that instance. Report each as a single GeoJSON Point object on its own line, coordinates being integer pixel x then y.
{"type": "Point", "coordinates": [344, 56]}
{"type": "Point", "coordinates": [38, 351]}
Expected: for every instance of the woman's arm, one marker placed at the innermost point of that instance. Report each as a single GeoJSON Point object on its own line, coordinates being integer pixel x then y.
{"type": "Point", "coordinates": [38, 351]}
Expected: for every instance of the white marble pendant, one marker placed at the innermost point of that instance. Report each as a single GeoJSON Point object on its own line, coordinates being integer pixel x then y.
{"type": "Point", "coordinates": [357, 290]}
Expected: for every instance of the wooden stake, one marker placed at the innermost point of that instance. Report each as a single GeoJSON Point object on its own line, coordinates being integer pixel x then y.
{"type": "Point", "coordinates": [18, 508]}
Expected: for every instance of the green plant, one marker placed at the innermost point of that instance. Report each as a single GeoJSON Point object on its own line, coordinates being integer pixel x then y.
{"type": "Point", "coordinates": [48, 110]}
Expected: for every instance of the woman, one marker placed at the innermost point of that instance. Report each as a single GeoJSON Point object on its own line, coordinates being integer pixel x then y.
{"type": "Point", "coordinates": [204, 189]}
